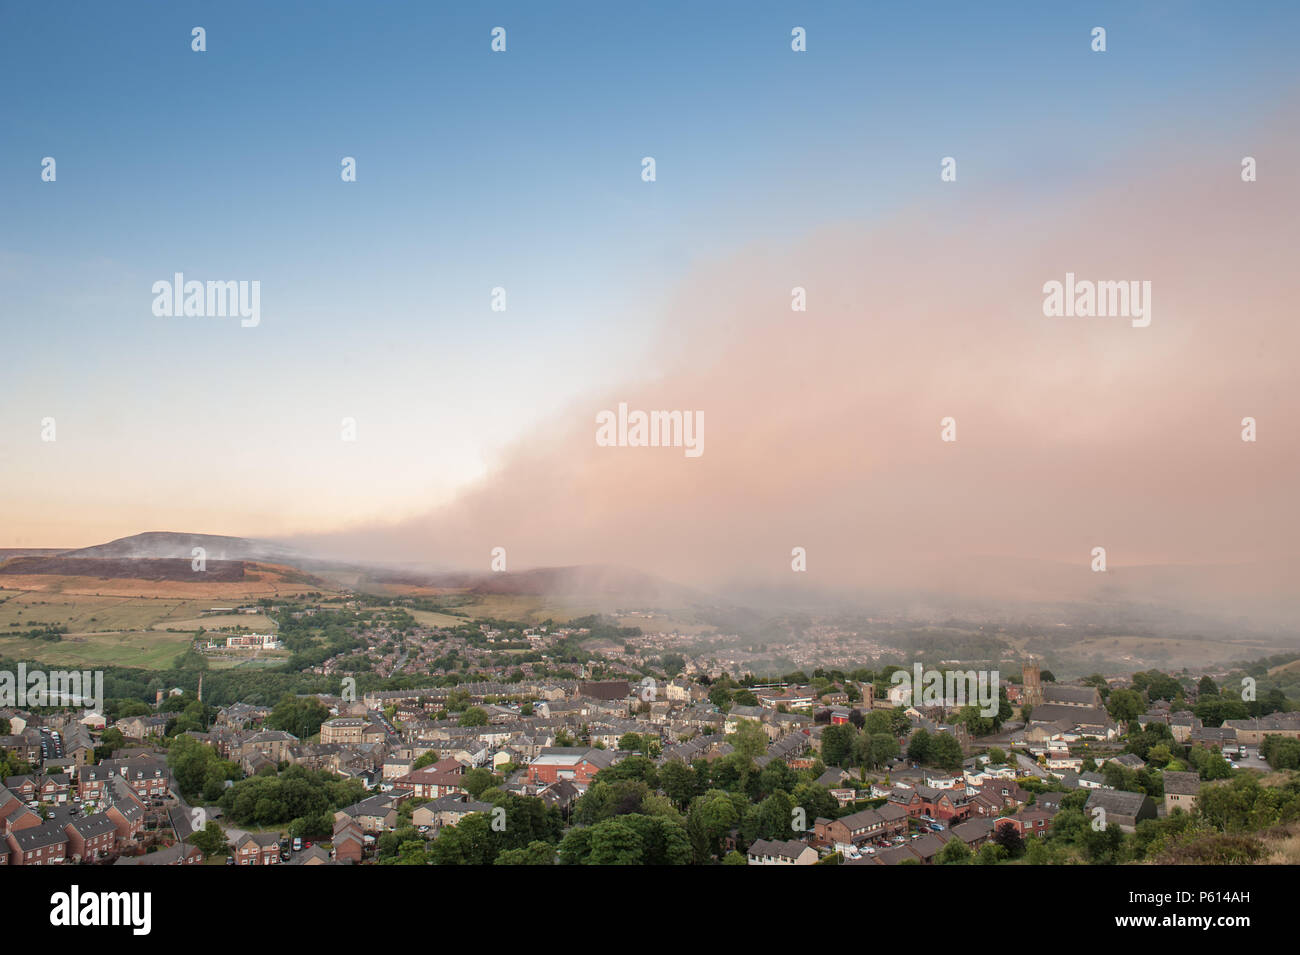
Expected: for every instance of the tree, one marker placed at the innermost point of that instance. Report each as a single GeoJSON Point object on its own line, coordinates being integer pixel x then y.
{"type": "Point", "coordinates": [474, 716]}
{"type": "Point", "coordinates": [476, 781]}
{"type": "Point", "coordinates": [749, 740]}
{"type": "Point", "coordinates": [1125, 705]}
{"type": "Point", "coordinates": [210, 840]}
{"type": "Point", "coordinates": [990, 854]}
{"type": "Point", "coordinates": [535, 853]}
{"type": "Point", "coordinates": [1008, 837]}
{"type": "Point", "coordinates": [711, 817]}
{"type": "Point", "coordinates": [679, 782]}
{"type": "Point", "coordinates": [1103, 846]}
{"type": "Point", "coordinates": [918, 747]}
{"type": "Point", "coordinates": [615, 842]}
{"type": "Point", "coordinates": [945, 751]}
{"type": "Point", "coordinates": [955, 852]}
{"type": "Point", "coordinates": [837, 745]}
{"type": "Point", "coordinates": [299, 715]}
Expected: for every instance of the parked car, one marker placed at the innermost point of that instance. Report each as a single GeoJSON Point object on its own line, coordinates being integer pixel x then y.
{"type": "Point", "coordinates": [297, 844]}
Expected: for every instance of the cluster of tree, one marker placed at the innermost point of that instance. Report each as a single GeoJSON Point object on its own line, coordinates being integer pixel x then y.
{"type": "Point", "coordinates": [980, 724]}
{"type": "Point", "coordinates": [1281, 752]}
{"type": "Point", "coordinates": [628, 839]}
{"type": "Point", "coordinates": [847, 746]}
{"type": "Point", "coordinates": [271, 799]}
{"type": "Point", "coordinates": [299, 715]}
{"type": "Point", "coordinates": [1221, 830]}
{"type": "Point", "coordinates": [516, 825]}
{"type": "Point", "coordinates": [11, 764]}
{"type": "Point", "coordinates": [51, 633]}
{"type": "Point", "coordinates": [935, 749]}
{"type": "Point", "coordinates": [198, 769]}
{"type": "Point", "coordinates": [706, 801]}
{"type": "Point", "coordinates": [1007, 843]}
{"type": "Point", "coordinates": [1208, 762]}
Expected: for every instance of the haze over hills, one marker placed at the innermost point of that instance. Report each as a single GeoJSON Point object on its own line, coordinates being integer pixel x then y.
{"type": "Point", "coordinates": [145, 555]}
{"type": "Point", "coordinates": [1257, 597]}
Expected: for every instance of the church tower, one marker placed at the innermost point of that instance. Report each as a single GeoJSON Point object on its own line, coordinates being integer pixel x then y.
{"type": "Point", "coordinates": [1032, 694]}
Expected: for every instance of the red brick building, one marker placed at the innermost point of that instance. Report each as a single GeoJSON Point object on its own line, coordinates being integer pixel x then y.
{"type": "Point", "coordinates": [568, 762]}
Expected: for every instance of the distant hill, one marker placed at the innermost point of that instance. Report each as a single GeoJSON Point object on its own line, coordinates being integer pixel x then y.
{"type": "Point", "coordinates": [169, 545]}
{"type": "Point", "coordinates": [629, 586]}
{"type": "Point", "coordinates": [124, 568]}
{"type": "Point", "coordinates": [151, 555]}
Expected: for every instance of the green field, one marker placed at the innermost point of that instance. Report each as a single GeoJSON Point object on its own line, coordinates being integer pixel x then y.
{"type": "Point", "coordinates": [147, 649]}
{"type": "Point", "coordinates": [87, 613]}
{"type": "Point", "coordinates": [431, 618]}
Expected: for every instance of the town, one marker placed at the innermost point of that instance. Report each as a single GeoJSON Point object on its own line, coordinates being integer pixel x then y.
{"type": "Point", "coordinates": [379, 740]}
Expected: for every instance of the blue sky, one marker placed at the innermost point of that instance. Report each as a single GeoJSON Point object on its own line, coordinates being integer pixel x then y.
{"type": "Point", "coordinates": [477, 170]}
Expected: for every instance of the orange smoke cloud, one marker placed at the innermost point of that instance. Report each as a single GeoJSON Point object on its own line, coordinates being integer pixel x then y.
{"type": "Point", "coordinates": [822, 428]}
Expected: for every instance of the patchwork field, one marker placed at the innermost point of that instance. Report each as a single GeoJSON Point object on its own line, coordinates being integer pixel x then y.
{"type": "Point", "coordinates": [126, 622]}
